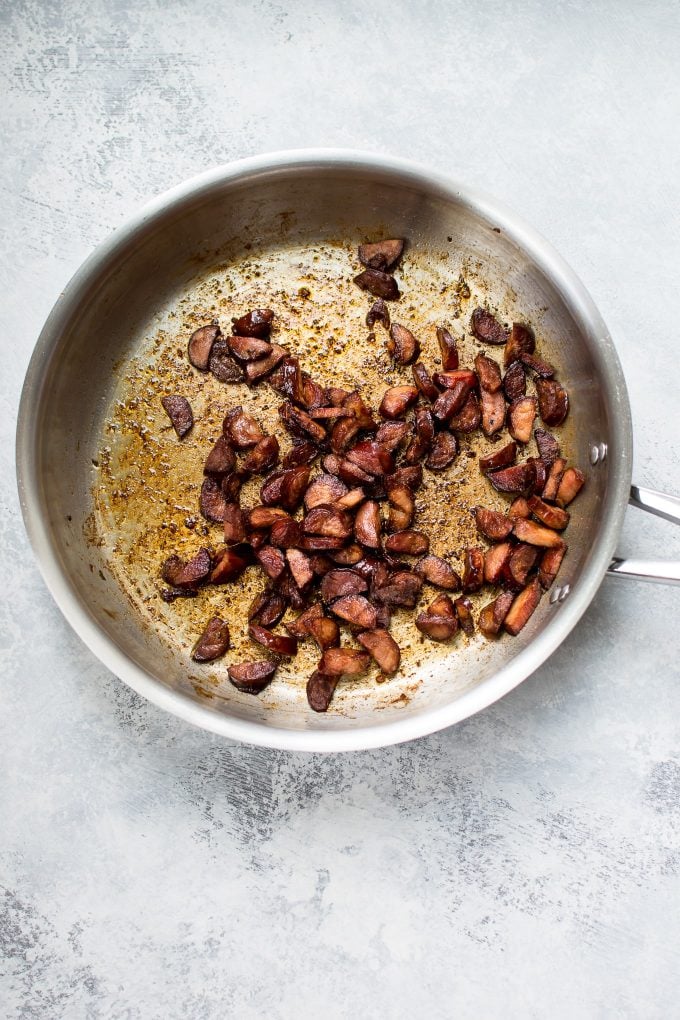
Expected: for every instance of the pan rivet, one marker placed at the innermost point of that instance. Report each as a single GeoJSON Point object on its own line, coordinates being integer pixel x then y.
{"type": "Point", "coordinates": [559, 594]}
{"type": "Point", "coordinates": [598, 453]}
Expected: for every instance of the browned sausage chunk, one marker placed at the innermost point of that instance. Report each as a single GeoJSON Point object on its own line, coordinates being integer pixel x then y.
{"type": "Point", "coordinates": [551, 516]}
{"type": "Point", "coordinates": [241, 429]}
{"type": "Point", "coordinates": [523, 607]}
{"type": "Point", "coordinates": [346, 557]}
{"type": "Point", "coordinates": [286, 488]}
{"type": "Point", "coordinates": [521, 341]}
{"type": "Point", "coordinates": [493, 412]}
{"type": "Point", "coordinates": [402, 345]}
{"type": "Point", "coordinates": [221, 459]}
{"type": "Point", "coordinates": [553, 401]}
{"type": "Point", "coordinates": [299, 628]}
{"type": "Point", "coordinates": [487, 328]}
{"type": "Point", "coordinates": [519, 508]}
{"type": "Point", "coordinates": [367, 525]}
{"type": "Point", "coordinates": [392, 434]}
{"type": "Point", "coordinates": [263, 456]}
{"type": "Point", "coordinates": [397, 400]}
{"type": "Point", "coordinates": [534, 534]}
{"type": "Point", "coordinates": [520, 565]}
{"type": "Point", "coordinates": [300, 424]}
{"type": "Point", "coordinates": [379, 284]}
{"type": "Point", "coordinates": [277, 643]}
{"type": "Point", "coordinates": [492, 615]}
{"type": "Point", "coordinates": [411, 476]}
{"type": "Point", "coordinates": [451, 401]}
{"type": "Point", "coordinates": [519, 478]}
{"type": "Point", "coordinates": [439, 620]}
{"type": "Point", "coordinates": [463, 608]}
{"type": "Point", "coordinates": [378, 312]}
{"type": "Point", "coordinates": [402, 506]}
{"type": "Point", "coordinates": [344, 662]}
{"type": "Point", "coordinates": [178, 410]}
{"type": "Point", "coordinates": [438, 572]}
{"type": "Point", "coordinates": [256, 370]}
{"type": "Point", "coordinates": [570, 485]}
{"type": "Point", "coordinates": [473, 573]}
{"type": "Point", "coordinates": [252, 677]}
{"type": "Point", "coordinates": [412, 543]}
{"type": "Point", "coordinates": [499, 459]}
{"type": "Point", "coordinates": [401, 588]}
{"type": "Point", "coordinates": [267, 608]}
{"type": "Point", "coordinates": [320, 690]}
{"type": "Point", "coordinates": [325, 632]}
{"type": "Point", "coordinates": [548, 446]}
{"type": "Point", "coordinates": [382, 648]}
{"type": "Point", "coordinates": [212, 501]}
{"type": "Point", "coordinates": [423, 381]}
{"type": "Point", "coordinates": [551, 561]}
{"type": "Point", "coordinates": [338, 583]}
{"type": "Point", "coordinates": [271, 560]}
{"type": "Point", "coordinates": [300, 454]}
{"type": "Point", "coordinates": [381, 254]}
{"type": "Point", "coordinates": [257, 322]}
{"type": "Point", "coordinates": [213, 642]}
{"type": "Point", "coordinates": [265, 516]}
{"type": "Point", "coordinates": [201, 344]}
{"type": "Point", "coordinates": [221, 363]}
{"type": "Point", "coordinates": [522, 413]}
{"type": "Point", "coordinates": [357, 610]}
{"type": "Point", "coordinates": [515, 381]}
{"type": "Point", "coordinates": [495, 562]}
{"type": "Point", "coordinates": [447, 380]}
{"type": "Point", "coordinates": [351, 499]}
{"type": "Point", "coordinates": [371, 458]}
{"type": "Point", "coordinates": [489, 373]}
{"type": "Point", "coordinates": [492, 524]}
{"type": "Point", "coordinates": [249, 348]}
{"type": "Point", "coordinates": [541, 368]}
{"type": "Point", "coordinates": [300, 567]}
{"type": "Point", "coordinates": [330, 521]}
{"type": "Point", "coordinates": [187, 574]}
{"type": "Point", "coordinates": [286, 533]}
{"type": "Point", "coordinates": [448, 348]}
{"type": "Point", "coordinates": [229, 566]}
{"type": "Point", "coordinates": [234, 524]}
{"type": "Point", "coordinates": [422, 442]}
{"type": "Point", "coordinates": [324, 489]}
{"type": "Point", "coordinates": [469, 418]}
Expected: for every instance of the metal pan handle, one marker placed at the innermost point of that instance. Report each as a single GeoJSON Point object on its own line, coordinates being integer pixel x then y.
{"type": "Point", "coordinates": [661, 571]}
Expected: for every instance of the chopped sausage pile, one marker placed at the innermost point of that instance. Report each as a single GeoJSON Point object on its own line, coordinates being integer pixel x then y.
{"type": "Point", "coordinates": [335, 531]}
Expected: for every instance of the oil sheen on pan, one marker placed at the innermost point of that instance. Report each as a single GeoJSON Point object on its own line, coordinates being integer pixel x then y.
{"type": "Point", "coordinates": [147, 482]}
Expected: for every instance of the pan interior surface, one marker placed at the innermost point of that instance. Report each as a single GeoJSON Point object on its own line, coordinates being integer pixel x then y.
{"type": "Point", "coordinates": [116, 492]}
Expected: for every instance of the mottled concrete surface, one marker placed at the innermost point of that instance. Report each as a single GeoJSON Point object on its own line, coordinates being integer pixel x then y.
{"type": "Point", "coordinates": [524, 864]}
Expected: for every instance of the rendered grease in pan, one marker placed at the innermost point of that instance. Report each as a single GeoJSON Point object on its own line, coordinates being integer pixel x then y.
{"type": "Point", "coordinates": [146, 499]}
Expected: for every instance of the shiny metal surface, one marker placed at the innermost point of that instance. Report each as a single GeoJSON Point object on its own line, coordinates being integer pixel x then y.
{"type": "Point", "coordinates": [659, 571]}
{"type": "Point", "coordinates": [658, 503]}
{"type": "Point", "coordinates": [275, 199]}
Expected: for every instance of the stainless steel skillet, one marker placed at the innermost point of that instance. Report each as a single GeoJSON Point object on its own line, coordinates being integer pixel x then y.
{"type": "Point", "coordinates": [110, 338]}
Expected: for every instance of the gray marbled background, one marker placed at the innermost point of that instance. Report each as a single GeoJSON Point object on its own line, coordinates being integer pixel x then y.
{"type": "Point", "coordinates": [524, 864]}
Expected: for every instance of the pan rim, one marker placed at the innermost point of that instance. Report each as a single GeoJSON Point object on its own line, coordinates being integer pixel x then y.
{"type": "Point", "coordinates": [359, 737]}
